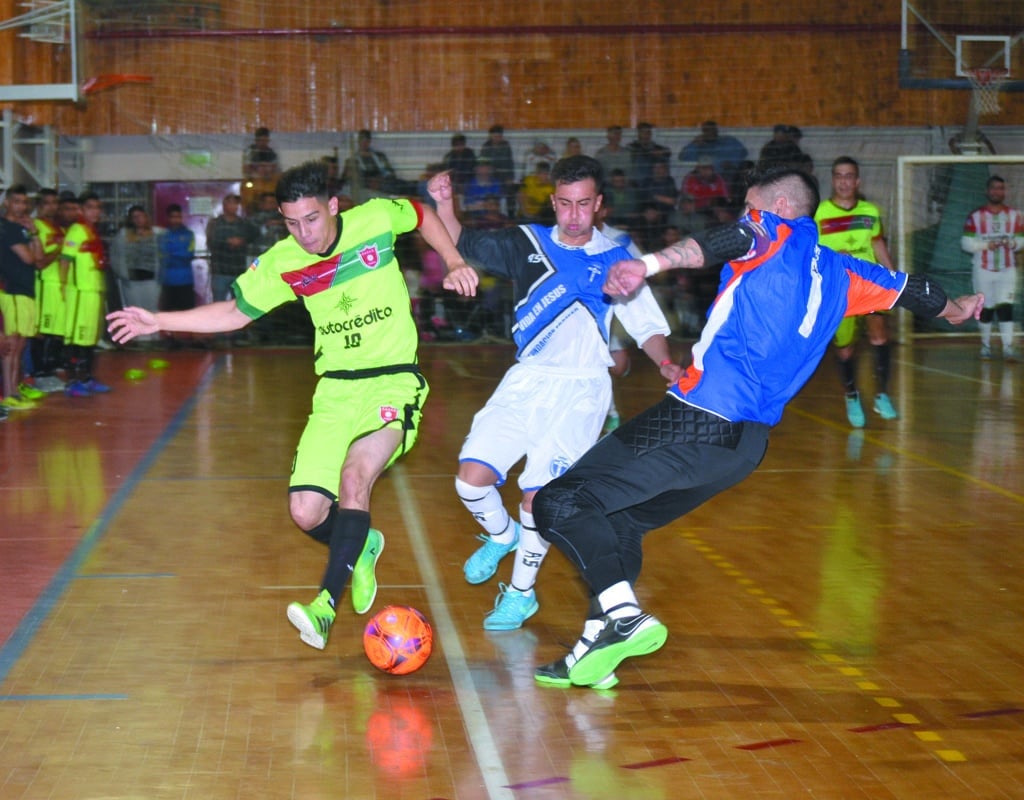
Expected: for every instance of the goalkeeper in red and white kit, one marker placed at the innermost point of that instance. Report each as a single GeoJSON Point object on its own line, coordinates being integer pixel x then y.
{"type": "Point", "coordinates": [993, 234]}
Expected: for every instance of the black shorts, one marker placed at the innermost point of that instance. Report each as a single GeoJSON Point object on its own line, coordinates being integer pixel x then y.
{"type": "Point", "coordinates": [177, 298]}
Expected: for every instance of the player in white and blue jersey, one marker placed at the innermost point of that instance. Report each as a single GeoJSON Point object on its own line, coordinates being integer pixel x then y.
{"type": "Point", "coordinates": [551, 404]}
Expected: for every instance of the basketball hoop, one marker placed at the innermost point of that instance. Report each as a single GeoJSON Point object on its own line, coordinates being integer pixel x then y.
{"type": "Point", "coordinates": [101, 82]}
{"type": "Point", "coordinates": [986, 83]}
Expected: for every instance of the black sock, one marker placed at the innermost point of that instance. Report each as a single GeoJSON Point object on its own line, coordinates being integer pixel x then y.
{"type": "Point", "coordinates": [883, 359]}
{"type": "Point", "coordinates": [847, 374]}
{"type": "Point", "coordinates": [322, 532]}
{"type": "Point", "coordinates": [348, 536]}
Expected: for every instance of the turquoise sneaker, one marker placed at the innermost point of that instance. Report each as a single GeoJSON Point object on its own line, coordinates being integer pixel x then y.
{"type": "Point", "coordinates": [364, 577]}
{"type": "Point", "coordinates": [854, 410]}
{"type": "Point", "coordinates": [557, 674]}
{"type": "Point", "coordinates": [884, 407]}
{"type": "Point", "coordinates": [480, 566]}
{"type": "Point", "coordinates": [511, 609]}
{"type": "Point", "coordinates": [314, 621]}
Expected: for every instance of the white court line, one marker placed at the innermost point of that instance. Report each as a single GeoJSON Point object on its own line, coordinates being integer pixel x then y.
{"type": "Point", "coordinates": [472, 711]}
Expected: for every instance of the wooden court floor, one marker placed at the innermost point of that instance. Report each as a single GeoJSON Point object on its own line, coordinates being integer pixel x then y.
{"type": "Point", "coordinates": [847, 623]}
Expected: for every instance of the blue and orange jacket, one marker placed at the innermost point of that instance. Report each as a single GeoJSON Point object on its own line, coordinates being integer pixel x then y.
{"type": "Point", "coordinates": [776, 311]}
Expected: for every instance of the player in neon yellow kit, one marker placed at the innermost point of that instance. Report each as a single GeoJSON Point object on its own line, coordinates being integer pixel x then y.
{"type": "Point", "coordinates": [49, 294]}
{"type": "Point", "coordinates": [847, 223]}
{"type": "Point", "coordinates": [366, 407]}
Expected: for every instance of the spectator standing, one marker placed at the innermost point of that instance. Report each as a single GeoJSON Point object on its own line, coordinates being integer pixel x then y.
{"type": "Point", "coordinates": [644, 152]}
{"type": "Point", "coordinates": [135, 259]}
{"type": "Point", "coordinates": [461, 161]}
{"type": "Point", "coordinates": [368, 172]}
{"type": "Point", "coordinates": [499, 151]}
{"type": "Point", "coordinates": [727, 153]}
{"type": "Point", "coordinates": [177, 249]}
{"type": "Point", "coordinates": [782, 151]}
{"type": "Point", "coordinates": [269, 224]}
{"type": "Point", "coordinates": [614, 155]}
{"type": "Point", "coordinates": [260, 168]}
{"type": "Point", "coordinates": [228, 238]}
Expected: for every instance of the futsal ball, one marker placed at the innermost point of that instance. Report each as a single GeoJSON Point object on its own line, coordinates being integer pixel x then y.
{"type": "Point", "coordinates": [398, 639]}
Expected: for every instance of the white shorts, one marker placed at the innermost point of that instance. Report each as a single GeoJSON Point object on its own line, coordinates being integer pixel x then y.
{"type": "Point", "coordinates": [550, 416]}
{"type": "Point", "coordinates": [999, 288]}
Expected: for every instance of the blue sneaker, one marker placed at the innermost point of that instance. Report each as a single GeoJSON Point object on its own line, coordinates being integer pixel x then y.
{"type": "Point", "coordinates": [511, 609]}
{"type": "Point", "coordinates": [884, 407]}
{"type": "Point", "coordinates": [480, 566]}
{"type": "Point", "coordinates": [854, 410]}
{"type": "Point", "coordinates": [77, 389]}
{"type": "Point", "coordinates": [96, 387]}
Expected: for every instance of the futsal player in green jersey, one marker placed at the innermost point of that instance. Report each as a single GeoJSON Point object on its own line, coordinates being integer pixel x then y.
{"type": "Point", "coordinates": [367, 403]}
{"type": "Point", "coordinates": [847, 223]}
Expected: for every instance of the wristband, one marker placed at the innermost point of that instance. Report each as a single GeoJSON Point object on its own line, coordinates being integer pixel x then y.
{"type": "Point", "coordinates": [651, 262]}
{"type": "Point", "coordinates": [666, 362]}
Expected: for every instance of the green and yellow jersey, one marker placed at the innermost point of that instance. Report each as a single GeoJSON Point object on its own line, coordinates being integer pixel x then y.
{"type": "Point", "coordinates": [355, 293]}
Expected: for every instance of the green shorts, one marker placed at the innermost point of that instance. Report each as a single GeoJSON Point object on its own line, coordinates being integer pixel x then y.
{"type": "Point", "coordinates": [847, 330]}
{"type": "Point", "coordinates": [84, 317]}
{"type": "Point", "coordinates": [19, 315]}
{"type": "Point", "coordinates": [50, 306]}
{"type": "Point", "coordinates": [345, 410]}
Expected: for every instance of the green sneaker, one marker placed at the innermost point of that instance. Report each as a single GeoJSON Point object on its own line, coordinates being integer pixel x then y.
{"type": "Point", "coordinates": [364, 578]}
{"type": "Point", "coordinates": [557, 674]}
{"type": "Point", "coordinates": [30, 392]}
{"type": "Point", "coordinates": [618, 640]}
{"type": "Point", "coordinates": [314, 621]}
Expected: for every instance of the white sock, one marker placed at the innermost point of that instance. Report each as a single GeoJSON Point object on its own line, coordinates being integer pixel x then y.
{"type": "Point", "coordinates": [484, 503]}
{"type": "Point", "coordinates": [591, 628]}
{"type": "Point", "coordinates": [1006, 334]}
{"type": "Point", "coordinates": [618, 601]}
{"type": "Point", "coordinates": [529, 554]}
{"type": "Point", "coordinates": [985, 329]}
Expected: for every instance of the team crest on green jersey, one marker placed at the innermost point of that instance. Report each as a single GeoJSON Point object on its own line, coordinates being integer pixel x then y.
{"type": "Point", "coordinates": [370, 256]}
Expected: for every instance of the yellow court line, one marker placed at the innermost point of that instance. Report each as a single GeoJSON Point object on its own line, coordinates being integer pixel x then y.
{"type": "Point", "coordinates": [816, 643]}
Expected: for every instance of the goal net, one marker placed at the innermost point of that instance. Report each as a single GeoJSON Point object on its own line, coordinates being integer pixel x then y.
{"type": "Point", "coordinates": [934, 196]}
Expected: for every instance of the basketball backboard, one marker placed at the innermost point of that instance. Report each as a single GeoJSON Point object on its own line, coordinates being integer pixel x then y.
{"type": "Point", "coordinates": [53, 23]}
{"type": "Point", "coordinates": [944, 42]}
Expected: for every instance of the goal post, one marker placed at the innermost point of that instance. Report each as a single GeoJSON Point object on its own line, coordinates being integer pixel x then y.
{"type": "Point", "coordinates": [934, 196]}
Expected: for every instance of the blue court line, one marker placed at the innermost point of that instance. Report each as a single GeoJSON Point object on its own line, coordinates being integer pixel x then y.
{"type": "Point", "coordinates": [33, 620]}
{"type": "Point", "coordinates": [17, 698]}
